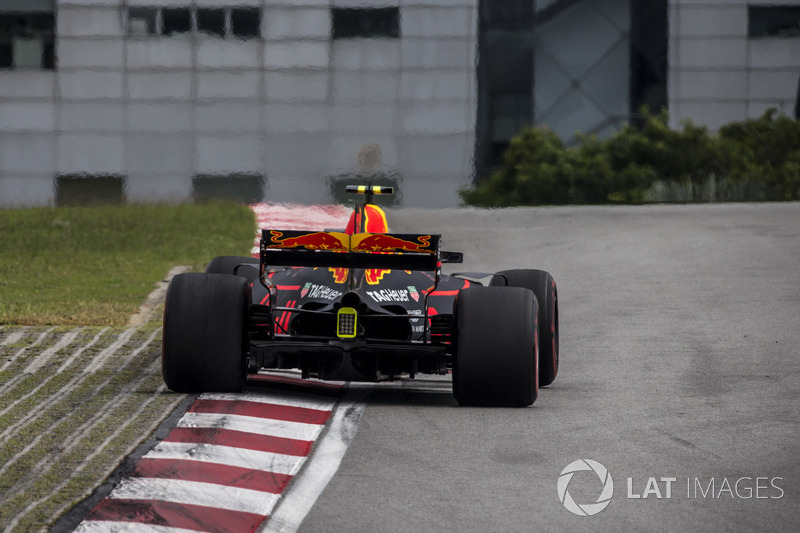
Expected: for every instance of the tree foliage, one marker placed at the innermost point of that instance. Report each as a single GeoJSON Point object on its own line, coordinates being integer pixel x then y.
{"type": "Point", "coordinates": [756, 159]}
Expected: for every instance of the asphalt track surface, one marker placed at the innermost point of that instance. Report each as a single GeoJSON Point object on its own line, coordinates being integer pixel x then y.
{"type": "Point", "coordinates": [680, 358]}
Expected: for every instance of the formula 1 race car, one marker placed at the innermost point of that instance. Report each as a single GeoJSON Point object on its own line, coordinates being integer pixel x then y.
{"type": "Point", "coordinates": [361, 304]}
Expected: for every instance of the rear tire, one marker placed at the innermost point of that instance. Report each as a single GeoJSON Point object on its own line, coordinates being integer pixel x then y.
{"type": "Point", "coordinates": [496, 347]}
{"type": "Point", "coordinates": [544, 287]}
{"type": "Point", "coordinates": [226, 264]}
{"type": "Point", "coordinates": [204, 333]}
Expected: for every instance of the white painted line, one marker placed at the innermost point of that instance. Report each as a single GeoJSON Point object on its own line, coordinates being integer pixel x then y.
{"type": "Point", "coordinates": [14, 336]}
{"type": "Point", "coordinates": [147, 430]}
{"type": "Point", "coordinates": [211, 453]}
{"type": "Point", "coordinates": [37, 413]}
{"type": "Point", "coordinates": [75, 439]}
{"type": "Point", "coordinates": [251, 424]}
{"type": "Point", "coordinates": [276, 398]}
{"type": "Point", "coordinates": [196, 493]}
{"type": "Point", "coordinates": [44, 358]}
{"type": "Point", "coordinates": [100, 358]}
{"type": "Point", "coordinates": [321, 467]}
{"type": "Point", "coordinates": [22, 350]}
{"type": "Point", "coordinates": [80, 350]}
{"type": "Point", "coordinates": [42, 408]}
{"type": "Point", "coordinates": [120, 427]}
{"type": "Point", "coordinates": [105, 526]}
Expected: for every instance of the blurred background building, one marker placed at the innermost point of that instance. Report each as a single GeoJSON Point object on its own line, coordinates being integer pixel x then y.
{"type": "Point", "coordinates": [283, 100]}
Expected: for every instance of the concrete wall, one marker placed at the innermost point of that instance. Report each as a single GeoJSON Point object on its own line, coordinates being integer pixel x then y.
{"type": "Point", "coordinates": [294, 106]}
{"type": "Point", "coordinates": [718, 75]}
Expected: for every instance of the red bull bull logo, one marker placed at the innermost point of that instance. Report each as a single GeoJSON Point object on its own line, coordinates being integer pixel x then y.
{"type": "Point", "coordinates": [389, 243]}
{"type": "Point", "coordinates": [339, 274]}
{"type": "Point", "coordinates": [318, 240]}
{"type": "Point", "coordinates": [373, 276]}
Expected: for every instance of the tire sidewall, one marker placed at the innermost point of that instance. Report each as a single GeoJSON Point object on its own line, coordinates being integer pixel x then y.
{"type": "Point", "coordinates": [203, 337]}
{"type": "Point", "coordinates": [496, 357]}
{"type": "Point", "coordinates": [226, 264]}
{"type": "Point", "coordinates": [544, 287]}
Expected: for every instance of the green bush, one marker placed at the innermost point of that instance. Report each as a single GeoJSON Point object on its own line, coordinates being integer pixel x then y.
{"type": "Point", "coordinates": [535, 171]}
{"type": "Point", "coordinates": [765, 151]}
{"type": "Point", "coordinates": [756, 159]}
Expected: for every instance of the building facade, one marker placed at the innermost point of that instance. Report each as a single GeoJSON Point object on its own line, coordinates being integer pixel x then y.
{"type": "Point", "coordinates": [162, 100]}
{"type": "Point", "coordinates": [282, 100]}
{"type": "Point", "coordinates": [732, 59]}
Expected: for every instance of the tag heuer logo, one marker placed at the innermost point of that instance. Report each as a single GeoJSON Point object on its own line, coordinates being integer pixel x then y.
{"type": "Point", "coordinates": [412, 291]}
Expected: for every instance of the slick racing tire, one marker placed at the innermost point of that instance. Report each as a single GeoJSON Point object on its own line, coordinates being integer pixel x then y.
{"type": "Point", "coordinates": [496, 361]}
{"type": "Point", "coordinates": [544, 287]}
{"type": "Point", "coordinates": [226, 264]}
{"type": "Point", "coordinates": [204, 333]}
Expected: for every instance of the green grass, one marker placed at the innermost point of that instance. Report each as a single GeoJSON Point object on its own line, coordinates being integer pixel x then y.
{"type": "Point", "coordinates": [64, 433]}
{"type": "Point", "coordinates": [96, 265]}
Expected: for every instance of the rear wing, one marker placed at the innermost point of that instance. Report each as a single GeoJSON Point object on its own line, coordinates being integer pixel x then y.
{"type": "Point", "coordinates": [399, 251]}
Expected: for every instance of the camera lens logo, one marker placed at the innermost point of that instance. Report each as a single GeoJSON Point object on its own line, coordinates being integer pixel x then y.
{"type": "Point", "coordinates": [585, 509]}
